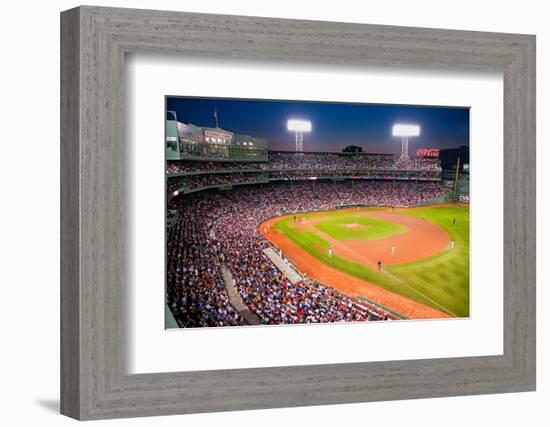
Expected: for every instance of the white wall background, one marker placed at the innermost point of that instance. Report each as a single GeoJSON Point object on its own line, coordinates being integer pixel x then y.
{"type": "Point", "coordinates": [29, 213]}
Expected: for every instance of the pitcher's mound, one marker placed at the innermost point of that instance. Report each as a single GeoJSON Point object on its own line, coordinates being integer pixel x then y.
{"type": "Point", "coordinates": [354, 226]}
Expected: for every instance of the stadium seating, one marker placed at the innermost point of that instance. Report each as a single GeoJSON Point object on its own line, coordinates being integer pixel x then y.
{"type": "Point", "coordinates": [211, 227]}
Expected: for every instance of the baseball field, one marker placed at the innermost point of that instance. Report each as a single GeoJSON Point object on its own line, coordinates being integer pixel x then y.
{"type": "Point", "coordinates": [411, 261]}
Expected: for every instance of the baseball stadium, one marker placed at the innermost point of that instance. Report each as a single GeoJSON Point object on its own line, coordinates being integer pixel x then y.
{"type": "Point", "coordinates": [262, 236]}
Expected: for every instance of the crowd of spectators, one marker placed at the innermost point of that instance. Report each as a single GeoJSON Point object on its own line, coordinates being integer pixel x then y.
{"type": "Point", "coordinates": [186, 166]}
{"type": "Point", "coordinates": [310, 161]}
{"type": "Point", "coordinates": [173, 185]}
{"type": "Point", "coordinates": [397, 194]}
{"type": "Point", "coordinates": [195, 291]}
{"type": "Point", "coordinates": [197, 181]}
{"type": "Point", "coordinates": [282, 160]}
{"type": "Point", "coordinates": [357, 173]}
{"type": "Point", "coordinates": [214, 227]}
{"type": "Point", "coordinates": [190, 182]}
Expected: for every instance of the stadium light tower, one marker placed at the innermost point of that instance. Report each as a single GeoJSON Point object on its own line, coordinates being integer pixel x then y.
{"type": "Point", "coordinates": [405, 132]}
{"type": "Point", "coordinates": [299, 127]}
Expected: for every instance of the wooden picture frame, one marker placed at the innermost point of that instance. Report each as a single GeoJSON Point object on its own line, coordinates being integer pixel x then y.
{"type": "Point", "coordinates": [94, 382]}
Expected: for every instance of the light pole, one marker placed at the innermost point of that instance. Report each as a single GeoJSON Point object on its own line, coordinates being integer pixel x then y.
{"type": "Point", "coordinates": [405, 131]}
{"type": "Point", "coordinates": [299, 127]}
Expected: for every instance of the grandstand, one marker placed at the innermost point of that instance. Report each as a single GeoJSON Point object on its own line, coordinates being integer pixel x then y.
{"type": "Point", "coordinates": [215, 209]}
{"type": "Point", "coordinates": [186, 176]}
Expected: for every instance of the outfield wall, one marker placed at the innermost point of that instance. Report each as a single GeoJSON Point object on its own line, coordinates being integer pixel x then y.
{"type": "Point", "coordinates": [448, 198]}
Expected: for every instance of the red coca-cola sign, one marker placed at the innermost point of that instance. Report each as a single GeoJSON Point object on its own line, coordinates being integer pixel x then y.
{"type": "Point", "coordinates": [423, 153]}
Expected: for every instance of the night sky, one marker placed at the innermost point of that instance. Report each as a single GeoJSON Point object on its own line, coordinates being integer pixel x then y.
{"type": "Point", "coordinates": [334, 125]}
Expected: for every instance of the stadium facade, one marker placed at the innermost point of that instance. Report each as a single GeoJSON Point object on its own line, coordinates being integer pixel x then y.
{"type": "Point", "coordinates": [188, 141]}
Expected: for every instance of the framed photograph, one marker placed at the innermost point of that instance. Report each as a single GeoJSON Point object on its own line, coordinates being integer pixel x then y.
{"type": "Point", "coordinates": [262, 213]}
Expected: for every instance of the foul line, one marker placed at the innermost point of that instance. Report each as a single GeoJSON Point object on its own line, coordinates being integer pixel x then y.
{"type": "Point", "coordinates": [368, 261]}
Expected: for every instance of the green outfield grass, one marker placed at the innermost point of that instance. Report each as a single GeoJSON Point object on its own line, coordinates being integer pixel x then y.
{"type": "Point", "coordinates": [440, 281]}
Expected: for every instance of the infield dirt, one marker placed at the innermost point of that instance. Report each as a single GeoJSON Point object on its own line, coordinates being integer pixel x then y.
{"type": "Point", "coordinates": [422, 239]}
